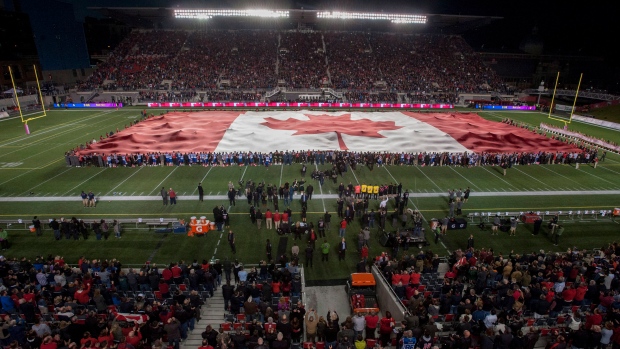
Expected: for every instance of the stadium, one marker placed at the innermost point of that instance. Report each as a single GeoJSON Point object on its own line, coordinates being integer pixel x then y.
{"type": "Point", "coordinates": [151, 153]}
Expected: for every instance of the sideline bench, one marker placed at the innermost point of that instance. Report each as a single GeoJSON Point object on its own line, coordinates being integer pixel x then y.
{"type": "Point", "coordinates": [569, 215]}
{"type": "Point", "coordinates": [140, 223]}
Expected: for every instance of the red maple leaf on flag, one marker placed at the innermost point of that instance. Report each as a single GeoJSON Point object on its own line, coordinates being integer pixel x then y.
{"type": "Point", "coordinates": [329, 123]}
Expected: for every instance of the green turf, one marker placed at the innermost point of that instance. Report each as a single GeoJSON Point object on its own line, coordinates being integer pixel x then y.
{"type": "Point", "coordinates": [35, 164]}
{"type": "Point", "coordinates": [611, 113]}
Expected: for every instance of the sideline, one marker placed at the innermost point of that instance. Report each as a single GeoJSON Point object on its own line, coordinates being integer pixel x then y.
{"type": "Point", "coordinates": [319, 196]}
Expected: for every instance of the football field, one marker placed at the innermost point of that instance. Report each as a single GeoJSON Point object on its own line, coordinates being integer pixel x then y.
{"type": "Point", "coordinates": [35, 181]}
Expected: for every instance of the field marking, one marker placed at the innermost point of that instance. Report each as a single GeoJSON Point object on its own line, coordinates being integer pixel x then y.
{"type": "Point", "coordinates": [91, 177]}
{"type": "Point", "coordinates": [203, 179]}
{"type": "Point", "coordinates": [53, 128]}
{"type": "Point", "coordinates": [243, 174]}
{"type": "Point", "coordinates": [52, 136]}
{"type": "Point", "coordinates": [38, 168]}
{"type": "Point", "coordinates": [559, 174]}
{"type": "Point", "coordinates": [457, 172]}
{"type": "Point", "coordinates": [603, 179]}
{"type": "Point", "coordinates": [157, 187]}
{"type": "Point", "coordinates": [282, 169]}
{"type": "Point", "coordinates": [417, 209]}
{"type": "Point", "coordinates": [503, 180]}
{"type": "Point", "coordinates": [604, 167]}
{"type": "Point", "coordinates": [39, 142]}
{"type": "Point", "coordinates": [321, 188]}
{"type": "Point", "coordinates": [119, 184]}
{"type": "Point", "coordinates": [49, 179]}
{"type": "Point", "coordinates": [435, 184]}
{"type": "Point", "coordinates": [532, 177]}
{"type": "Point", "coordinates": [353, 172]}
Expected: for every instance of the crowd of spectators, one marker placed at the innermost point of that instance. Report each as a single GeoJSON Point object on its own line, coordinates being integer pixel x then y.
{"type": "Point", "coordinates": [302, 61]}
{"type": "Point", "coordinates": [98, 304]}
{"type": "Point", "coordinates": [429, 67]}
{"type": "Point", "coordinates": [352, 64]}
{"type": "Point", "coordinates": [490, 300]}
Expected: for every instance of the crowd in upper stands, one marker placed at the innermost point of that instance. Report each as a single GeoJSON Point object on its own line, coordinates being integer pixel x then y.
{"type": "Point", "coordinates": [357, 62]}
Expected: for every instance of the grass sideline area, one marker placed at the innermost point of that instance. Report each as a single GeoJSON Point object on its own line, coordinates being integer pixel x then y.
{"type": "Point", "coordinates": [35, 164]}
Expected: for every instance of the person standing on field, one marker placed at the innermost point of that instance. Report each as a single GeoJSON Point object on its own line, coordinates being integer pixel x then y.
{"type": "Point", "coordinates": [164, 195]}
{"type": "Point", "coordinates": [201, 192]}
{"type": "Point", "coordinates": [173, 197]}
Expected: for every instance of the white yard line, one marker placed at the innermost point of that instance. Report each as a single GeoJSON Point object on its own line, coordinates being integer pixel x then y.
{"type": "Point", "coordinates": [503, 180]}
{"type": "Point", "coordinates": [320, 188]}
{"type": "Point", "coordinates": [532, 177]}
{"type": "Point", "coordinates": [605, 168]}
{"type": "Point", "coordinates": [457, 172]}
{"type": "Point", "coordinates": [435, 184]}
{"type": "Point", "coordinates": [52, 129]}
{"type": "Point", "coordinates": [44, 140]}
{"type": "Point", "coordinates": [243, 174]}
{"type": "Point", "coordinates": [559, 174]}
{"type": "Point", "coordinates": [353, 172]}
{"type": "Point", "coordinates": [49, 179]}
{"type": "Point", "coordinates": [160, 183]}
{"type": "Point", "coordinates": [203, 179]}
{"type": "Point", "coordinates": [119, 184]}
{"type": "Point", "coordinates": [593, 175]}
{"type": "Point", "coordinates": [416, 207]}
{"type": "Point", "coordinates": [89, 178]}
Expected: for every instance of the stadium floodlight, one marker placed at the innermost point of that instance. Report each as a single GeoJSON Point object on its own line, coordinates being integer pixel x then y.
{"type": "Point", "coordinates": [207, 14]}
{"type": "Point", "coordinates": [392, 17]}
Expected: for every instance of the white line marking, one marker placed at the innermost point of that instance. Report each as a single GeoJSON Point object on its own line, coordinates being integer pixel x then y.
{"type": "Point", "coordinates": [457, 172]}
{"type": "Point", "coordinates": [91, 177]}
{"type": "Point", "coordinates": [418, 167]}
{"type": "Point", "coordinates": [321, 189]}
{"type": "Point", "coordinates": [243, 174]}
{"type": "Point", "coordinates": [416, 207]}
{"type": "Point", "coordinates": [527, 174]}
{"type": "Point", "coordinates": [28, 191]}
{"type": "Point", "coordinates": [482, 167]}
{"type": "Point", "coordinates": [157, 187]}
{"type": "Point", "coordinates": [559, 174]}
{"type": "Point", "coordinates": [282, 169]}
{"type": "Point", "coordinates": [353, 172]}
{"type": "Point", "coordinates": [605, 168]}
{"type": "Point", "coordinates": [119, 184]}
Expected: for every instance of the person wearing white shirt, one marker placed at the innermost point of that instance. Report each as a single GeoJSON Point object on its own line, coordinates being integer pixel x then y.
{"type": "Point", "coordinates": [490, 320]}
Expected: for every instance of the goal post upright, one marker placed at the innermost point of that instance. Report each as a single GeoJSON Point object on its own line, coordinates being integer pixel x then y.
{"type": "Point", "coordinates": [15, 95]}
{"type": "Point", "coordinates": [572, 111]}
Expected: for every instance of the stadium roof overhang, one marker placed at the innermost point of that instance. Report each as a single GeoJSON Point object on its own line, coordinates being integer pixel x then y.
{"type": "Point", "coordinates": [149, 17]}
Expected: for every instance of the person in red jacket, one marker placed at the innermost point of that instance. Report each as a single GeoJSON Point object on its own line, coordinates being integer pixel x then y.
{"type": "Point", "coordinates": [134, 337]}
{"type": "Point", "coordinates": [276, 219]}
{"type": "Point", "coordinates": [166, 274]}
{"type": "Point", "coordinates": [580, 294]}
{"type": "Point", "coordinates": [176, 273]}
{"type": "Point", "coordinates": [81, 295]}
{"type": "Point", "coordinates": [372, 320]}
{"type": "Point", "coordinates": [48, 343]}
{"type": "Point", "coordinates": [268, 219]}
{"type": "Point", "coordinates": [385, 328]}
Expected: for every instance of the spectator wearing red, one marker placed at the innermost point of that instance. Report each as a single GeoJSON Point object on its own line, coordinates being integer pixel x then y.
{"type": "Point", "coordinates": [580, 293]}
{"type": "Point", "coordinates": [268, 219]}
{"type": "Point", "coordinates": [81, 295]}
{"type": "Point", "coordinates": [568, 295]}
{"type": "Point", "coordinates": [177, 272]}
{"type": "Point", "coordinates": [166, 274]}
{"type": "Point", "coordinates": [386, 326]}
{"type": "Point", "coordinates": [372, 320]}
{"type": "Point", "coordinates": [276, 219]}
{"type": "Point", "coordinates": [415, 279]}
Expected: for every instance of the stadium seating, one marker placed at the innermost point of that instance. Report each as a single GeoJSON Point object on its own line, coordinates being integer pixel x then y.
{"type": "Point", "coordinates": [173, 65]}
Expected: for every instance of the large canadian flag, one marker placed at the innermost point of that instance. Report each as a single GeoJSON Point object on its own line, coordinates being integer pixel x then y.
{"type": "Point", "coordinates": [358, 131]}
{"type": "Point", "coordinates": [385, 131]}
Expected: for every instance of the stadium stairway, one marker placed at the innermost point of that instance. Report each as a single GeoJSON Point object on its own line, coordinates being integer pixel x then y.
{"type": "Point", "coordinates": [212, 313]}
